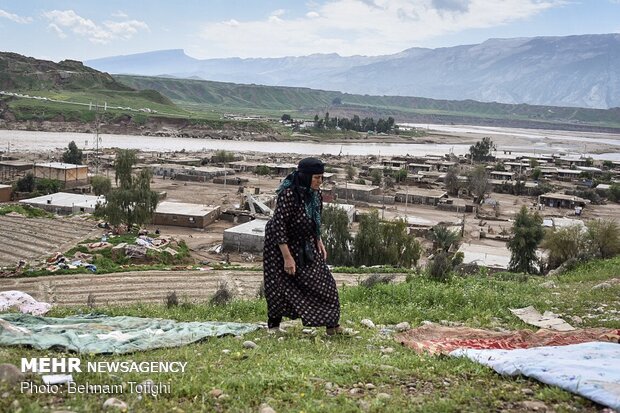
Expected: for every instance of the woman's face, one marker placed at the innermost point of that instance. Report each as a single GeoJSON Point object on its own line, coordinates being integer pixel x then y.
{"type": "Point", "coordinates": [316, 182]}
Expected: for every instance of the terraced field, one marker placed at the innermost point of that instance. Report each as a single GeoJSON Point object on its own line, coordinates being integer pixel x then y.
{"type": "Point", "coordinates": [35, 238]}
{"type": "Point", "coordinates": [145, 286]}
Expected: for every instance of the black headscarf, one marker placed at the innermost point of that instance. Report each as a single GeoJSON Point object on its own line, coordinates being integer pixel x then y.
{"type": "Point", "coordinates": [300, 182]}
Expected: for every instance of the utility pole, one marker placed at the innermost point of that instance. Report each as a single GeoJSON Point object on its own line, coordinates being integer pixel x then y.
{"type": "Point", "coordinates": [97, 138]}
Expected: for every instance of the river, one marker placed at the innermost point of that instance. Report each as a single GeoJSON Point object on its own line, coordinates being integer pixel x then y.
{"type": "Point", "coordinates": [47, 141]}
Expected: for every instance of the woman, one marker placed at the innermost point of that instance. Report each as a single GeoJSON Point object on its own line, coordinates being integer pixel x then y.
{"type": "Point", "coordinates": [297, 280]}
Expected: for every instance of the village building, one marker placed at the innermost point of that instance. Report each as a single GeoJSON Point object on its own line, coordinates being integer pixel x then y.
{"type": "Point", "coordinates": [520, 167]}
{"type": "Point", "coordinates": [5, 193]}
{"type": "Point", "coordinates": [185, 215]}
{"type": "Point", "coordinates": [247, 237]}
{"type": "Point", "coordinates": [568, 174]}
{"type": "Point", "coordinates": [189, 173]}
{"type": "Point", "coordinates": [555, 200]}
{"type": "Point", "coordinates": [415, 168]}
{"type": "Point", "coordinates": [70, 175]}
{"type": "Point", "coordinates": [65, 203]}
{"type": "Point", "coordinates": [567, 161]}
{"type": "Point", "coordinates": [11, 170]}
{"type": "Point", "coordinates": [279, 169]}
{"type": "Point", "coordinates": [421, 196]}
{"type": "Point", "coordinates": [591, 169]}
{"type": "Point", "coordinates": [394, 164]}
{"type": "Point", "coordinates": [440, 165]}
{"type": "Point", "coordinates": [356, 192]}
{"type": "Point", "coordinates": [502, 175]}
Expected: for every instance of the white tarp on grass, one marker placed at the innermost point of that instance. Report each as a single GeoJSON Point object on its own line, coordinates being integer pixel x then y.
{"type": "Point", "coordinates": [591, 370]}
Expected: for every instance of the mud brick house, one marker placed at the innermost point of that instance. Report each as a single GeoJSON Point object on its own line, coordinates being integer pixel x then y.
{"type": "Point", "coordinates": [5, 193]}
{"type": "Point", "coordinates": [185, 215]}
{"type": "Point", "coordinates": [70, 175]}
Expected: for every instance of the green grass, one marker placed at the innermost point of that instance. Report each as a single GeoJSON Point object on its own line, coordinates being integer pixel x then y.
{"type": "Point", "coordinates": [25, 210]}
{"type": "Point", "coordinates": [317, 374]}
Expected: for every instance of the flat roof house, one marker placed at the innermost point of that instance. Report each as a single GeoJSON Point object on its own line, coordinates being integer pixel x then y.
{"type": "Point", "coordinates": [181, 214]}
{"type": "Point", "coordinates": [356, 192]}
{"type": "Point", "coordinates": [65, 203]}
{"type": "Point", "coordinates": [421, 196]}
{"type": "Point", "coordinates": [247, 237]}
{"type": "Point", "coordinates": [70, 175]}
{"type": "Point", "coordinates": [11, 169]}
{"type": "Point", "coordinates": [562, 201]}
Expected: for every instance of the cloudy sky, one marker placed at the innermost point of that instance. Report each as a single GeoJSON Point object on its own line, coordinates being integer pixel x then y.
{"type": "Point", "coordinates": [82, 30]}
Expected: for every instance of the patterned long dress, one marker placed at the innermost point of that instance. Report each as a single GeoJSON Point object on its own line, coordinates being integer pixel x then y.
{"type": "Point", "coordinates": [311, 293]}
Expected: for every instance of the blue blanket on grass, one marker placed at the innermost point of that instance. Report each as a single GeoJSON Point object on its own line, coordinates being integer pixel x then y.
{"type": "Point", "coordinates": [101, 334]}
{"type": "Point", "coordinates": [591, 370]}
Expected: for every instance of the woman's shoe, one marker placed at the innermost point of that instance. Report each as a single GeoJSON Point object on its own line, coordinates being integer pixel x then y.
{"type": "Point", "coordinates": [277, 331]}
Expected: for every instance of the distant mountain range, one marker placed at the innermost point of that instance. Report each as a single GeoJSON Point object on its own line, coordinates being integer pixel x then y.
{"type": "Point", "coordinates": [576, 71]}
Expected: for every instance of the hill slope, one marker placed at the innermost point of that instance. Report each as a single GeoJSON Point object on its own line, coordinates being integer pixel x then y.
{"type": "Point", "coordinates": [578, 71]}
{"type": "Point", "coordinates": [304, 101]}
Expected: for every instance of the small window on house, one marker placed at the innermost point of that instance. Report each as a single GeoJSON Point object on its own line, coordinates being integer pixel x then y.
{"type": "Point", "coordinates": [81, 209]}
{"type": "Point", "coordinates": [191, 219]}
{"type": "Point", "coordinates": [174, 217]}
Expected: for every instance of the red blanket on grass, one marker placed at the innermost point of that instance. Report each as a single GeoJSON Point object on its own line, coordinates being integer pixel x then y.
{"type": "Point", "coordinates": [437, 339]}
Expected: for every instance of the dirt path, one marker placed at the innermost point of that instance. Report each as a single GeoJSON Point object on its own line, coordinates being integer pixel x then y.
{"type": "Point", "coordinates": [146, 286]}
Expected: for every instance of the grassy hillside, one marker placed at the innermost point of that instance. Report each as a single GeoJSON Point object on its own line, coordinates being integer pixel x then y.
{"type": "Point", "coordinates": [369, 372]}
{"type": "Point", "coordinates": [304, 101]}
{"type": "Point", "coordinates": [68, 88]}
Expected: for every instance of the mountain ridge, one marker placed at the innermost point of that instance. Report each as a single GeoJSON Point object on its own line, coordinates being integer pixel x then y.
{"type": "Point", "coordinates": [577, 71]}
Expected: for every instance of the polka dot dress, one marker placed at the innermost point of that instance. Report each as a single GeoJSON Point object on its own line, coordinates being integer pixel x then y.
{"type": "Point", "coordinates": [311, 293]}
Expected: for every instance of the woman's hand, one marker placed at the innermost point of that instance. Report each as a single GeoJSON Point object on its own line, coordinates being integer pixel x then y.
{"type": "Point", "coordinates": [289, 261]}
{"type": "Point", "coordinates": [289, 265]}
{"type": "Point", "coordinates": [322, 249]}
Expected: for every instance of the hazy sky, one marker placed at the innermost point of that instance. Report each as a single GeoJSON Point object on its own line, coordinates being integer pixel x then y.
{"type": "Point", "coordinates": [70, 29]}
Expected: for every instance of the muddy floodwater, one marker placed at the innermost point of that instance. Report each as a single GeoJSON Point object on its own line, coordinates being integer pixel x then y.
{"type": "Point", "coordinates": [448, 138]}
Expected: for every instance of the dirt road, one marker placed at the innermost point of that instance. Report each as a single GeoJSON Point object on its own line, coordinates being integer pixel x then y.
{"type": "Point", "coordinates": [146, 286]}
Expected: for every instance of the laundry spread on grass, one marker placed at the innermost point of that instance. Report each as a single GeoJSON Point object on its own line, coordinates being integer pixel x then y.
{"type": "Point", "coordinates": [438, 339]}
{"type": "Point", "coordinates": [99, 334]}
{"type": "Point", "coordinates": [591, 370]}
{"type": "Point", "coordinates": [23, 302]}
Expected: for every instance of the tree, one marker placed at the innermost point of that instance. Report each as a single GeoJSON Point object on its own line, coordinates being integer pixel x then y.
{"type": "Point", "coordinates": [443, 237]}
{"type": "Point", "coordinates": [536, 173]}
{"type": "Point", "coordinates": [527, 234]}
{"type": "Point", "coordinates": [604, 235]}
{"type": "Point", "coordinates": [564, 244]}
{"type": "Point", "coordinates": [222, 156]}
{"type": "Point", "coordinates": [399, 248]}
{"type": "Point", "coordinates": [614, 192]}
{"type": "Point", "coordinates": [25, 184]}
{"type": "Point", "coordinates": [336, 101]}
{"type": "Point", "coordinates": [479, 182]}
{"type": "Point", "coordinates": [368, 248]}
{"type": "Point", "coordinates": [350, 171]}
{"type": "Point", "coordinates": [481, 151]}
{"type": "Point", "coordinates": [101, 185]}
{"type": "Point", "coordinates": [286, 117]}
{"type": "Point", "coordinates": [378, 243]}
{"type": "Point", "coordinates": [72, 155]}
{"type": "Point", "coordinates": [451, 181]}
{"type": "Point", "coordinates": [376, 177]}
{"type": "Point", "coordinates": [132, 202]}
{"type": "Point", "coordinates": [263, 170]}
{"type": "Point", "coordinates": [336, 236]}
{"type": "Point", "coordinates": [400, 175]}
